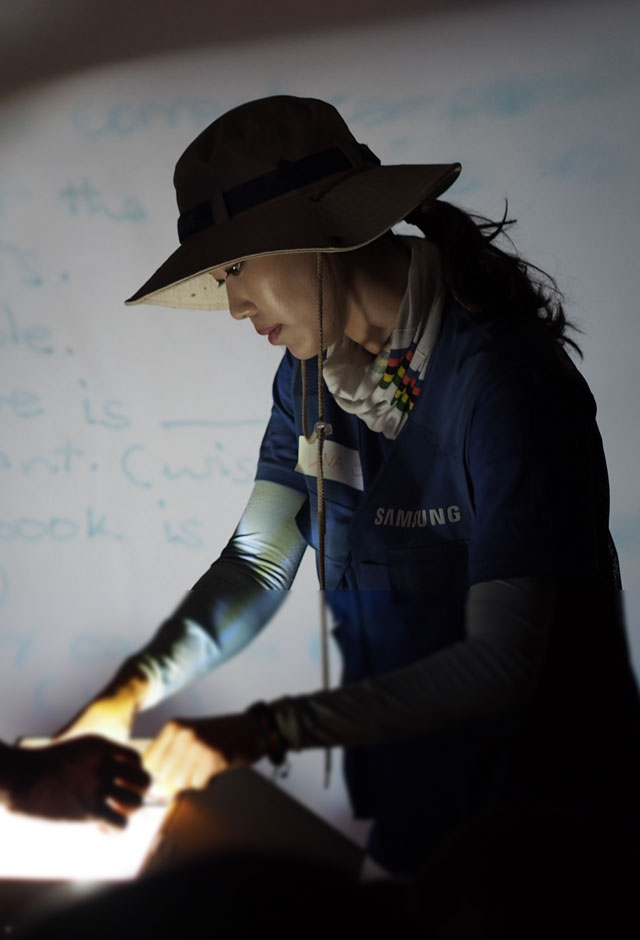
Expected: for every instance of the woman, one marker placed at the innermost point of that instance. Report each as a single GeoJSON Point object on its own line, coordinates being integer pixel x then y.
{"type": "Point", "coordinates": [462, 488]}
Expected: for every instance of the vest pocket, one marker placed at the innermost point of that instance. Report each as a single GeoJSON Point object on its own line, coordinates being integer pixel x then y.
{"type": "Point", "coordinates": [435, 569]}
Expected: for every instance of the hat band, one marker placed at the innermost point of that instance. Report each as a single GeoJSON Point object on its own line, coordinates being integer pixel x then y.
{"type": "Point", "coordinates": [288, 176]}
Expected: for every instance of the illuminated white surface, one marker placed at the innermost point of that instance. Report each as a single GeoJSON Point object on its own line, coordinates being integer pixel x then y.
{"type": "Point", "coordinates": [37, 848]}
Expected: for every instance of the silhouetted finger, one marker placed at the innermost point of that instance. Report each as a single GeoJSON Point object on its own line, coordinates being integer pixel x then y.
{"type": "Point", "coordinates": [125, 796]}
{"type": "Point", "coordinates": [111, 815]}
{"type": "Point", "coordinates": [128, 756]}
{"type": "Point", "coordinates": [133, 775]}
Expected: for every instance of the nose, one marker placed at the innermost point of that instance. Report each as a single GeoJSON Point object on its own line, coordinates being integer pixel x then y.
{"type": "Point", "coordinates": [239, 313]}
{"type": "Point", "coordinates": [241, 307]}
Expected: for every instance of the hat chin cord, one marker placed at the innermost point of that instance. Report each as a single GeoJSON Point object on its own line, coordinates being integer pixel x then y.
{"type": "Point", "coordinates": [321, 430]}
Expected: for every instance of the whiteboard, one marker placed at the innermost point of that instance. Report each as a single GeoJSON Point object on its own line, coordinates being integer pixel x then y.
{"type": "Point", "coordinates": [129, 436]}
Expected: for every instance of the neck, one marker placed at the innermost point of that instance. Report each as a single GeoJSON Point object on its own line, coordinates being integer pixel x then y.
{"type": "Point", "coordinates": [374, 283]}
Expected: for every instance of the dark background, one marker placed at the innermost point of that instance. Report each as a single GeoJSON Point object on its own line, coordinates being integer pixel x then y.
{"type": "Point", "coordinates": [42, 39]}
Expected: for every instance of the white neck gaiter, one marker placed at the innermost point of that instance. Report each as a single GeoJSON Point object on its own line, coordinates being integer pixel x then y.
{"type": "Point", "coordinates": [381, 391]}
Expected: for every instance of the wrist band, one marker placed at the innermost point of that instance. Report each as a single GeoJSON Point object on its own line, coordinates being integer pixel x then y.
{"type": "Point", "coordinates": [275, 743]}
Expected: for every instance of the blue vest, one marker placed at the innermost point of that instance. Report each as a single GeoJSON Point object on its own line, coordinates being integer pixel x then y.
{"type": "Point", "coordinates": [406, 543]}
{"type": "Point", "coordinates": [402, 553]}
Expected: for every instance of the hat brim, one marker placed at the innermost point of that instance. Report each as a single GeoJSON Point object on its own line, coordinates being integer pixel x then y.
{"type": "Point", "coordinates": [338, 216]}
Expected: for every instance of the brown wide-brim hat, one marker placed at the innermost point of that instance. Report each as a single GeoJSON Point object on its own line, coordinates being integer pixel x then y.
{"type": "Point", "coordinates": [279, 175]}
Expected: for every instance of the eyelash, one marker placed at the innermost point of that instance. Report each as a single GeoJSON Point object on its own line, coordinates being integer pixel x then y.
{"type": "Point", "coordinates": [233, 271]}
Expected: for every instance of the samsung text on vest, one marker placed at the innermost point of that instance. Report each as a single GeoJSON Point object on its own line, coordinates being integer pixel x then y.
{"type": "Point", "coordinates": [410, 518]}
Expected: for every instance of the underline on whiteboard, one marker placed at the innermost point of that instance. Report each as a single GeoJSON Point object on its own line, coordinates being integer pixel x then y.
{"type": "Point", "coordinates": [239, 423]}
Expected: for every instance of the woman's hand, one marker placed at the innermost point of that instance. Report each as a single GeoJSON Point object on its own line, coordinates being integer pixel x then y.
{"type": "Point", "coordinates": [87, 778]}
{"type": "Point", "coordinates": [189, 752]}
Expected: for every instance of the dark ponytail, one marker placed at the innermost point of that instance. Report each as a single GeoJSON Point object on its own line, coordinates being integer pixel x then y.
{"type": "Point", "coordinates": [486, 279]}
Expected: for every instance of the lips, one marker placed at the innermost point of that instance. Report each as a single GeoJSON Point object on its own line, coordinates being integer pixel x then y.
{"type": "Point", "coordinates": [272, 332]}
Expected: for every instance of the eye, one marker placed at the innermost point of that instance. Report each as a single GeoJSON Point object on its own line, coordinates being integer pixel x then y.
{"type": "Point", "coordinates": [233, 271]}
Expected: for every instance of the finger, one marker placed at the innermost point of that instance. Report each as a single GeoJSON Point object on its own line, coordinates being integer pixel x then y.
{"type": "Point", "coordinates": [175, 760]}
{"type": "Point", "coordinates": [154, 754]}
{"type": "Point", "coordinates": [124, 796]}
{"type": "Point", "coordinates": [131, 775]}
{"type": "Point", "coordinates": [128, 755]}
{"type": "Point", "coordinates": [201, 765]}
{"type": "Point", "coordinates": [110, 814]}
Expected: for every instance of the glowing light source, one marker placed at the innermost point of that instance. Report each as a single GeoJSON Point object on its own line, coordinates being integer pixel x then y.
{"type": "Point", "coordinates": [40, 848]}
{"type": "Point", "coordinates": [33, 848]}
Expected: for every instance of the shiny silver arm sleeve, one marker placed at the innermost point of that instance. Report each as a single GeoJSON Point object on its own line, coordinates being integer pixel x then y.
{"type": "Point", "coordinates": [494, 668]}
{"type": "Point", "coordinates": [234, 599]}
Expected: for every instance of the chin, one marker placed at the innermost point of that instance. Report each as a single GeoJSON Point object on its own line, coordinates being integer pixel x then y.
{"type": "Point", "coordinates": [303, 352]}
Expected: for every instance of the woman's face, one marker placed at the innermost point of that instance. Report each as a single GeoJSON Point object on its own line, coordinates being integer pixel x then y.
{"type": "Point", "coordinates": [278, 294]}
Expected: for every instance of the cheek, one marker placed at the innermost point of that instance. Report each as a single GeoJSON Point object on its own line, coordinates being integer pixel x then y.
{"type": "Point", "coordinates": [332, 320]}
{"type": "Point", "coordinates": [301, 313]}
{"type": "Point", "coordinates": [301, 343]}
{"type": "Point", "coordinates": [332, 327]}
{"type": "Point", "coordinates": [304, 337]}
